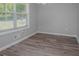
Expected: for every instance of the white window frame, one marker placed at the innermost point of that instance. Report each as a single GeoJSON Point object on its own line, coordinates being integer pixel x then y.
{"type": "Point", "coordinates": [15, 29]}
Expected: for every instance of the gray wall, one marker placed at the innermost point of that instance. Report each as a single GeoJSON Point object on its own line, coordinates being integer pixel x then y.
{"type": "Point", "coordinates": [51, 18]}
{"type": "Point", "coordinates": [7, 39]}
{"type": "Point", "coordinates": [78, 22]}
{"type": "Point", "coordinates": [57, 18]}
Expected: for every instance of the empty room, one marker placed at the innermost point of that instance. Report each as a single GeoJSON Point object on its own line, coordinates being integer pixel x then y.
{"type": "Point", "coordinates": [39, 29]}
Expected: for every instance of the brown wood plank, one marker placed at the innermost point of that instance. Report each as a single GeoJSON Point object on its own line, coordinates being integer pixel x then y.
{"type": "Point", "coordinates": [44, 45]}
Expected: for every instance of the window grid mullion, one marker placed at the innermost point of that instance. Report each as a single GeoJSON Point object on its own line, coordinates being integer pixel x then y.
{"type": "Point", "coordinates": [15, 16]}
{"type": "Point", "coordinates": [5, 11]}
{"type": "Point", "coordinates": [28, 17]}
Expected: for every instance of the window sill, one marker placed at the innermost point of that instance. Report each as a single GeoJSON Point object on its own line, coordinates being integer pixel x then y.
{"type": "Point", "coordinates": [13, 30]}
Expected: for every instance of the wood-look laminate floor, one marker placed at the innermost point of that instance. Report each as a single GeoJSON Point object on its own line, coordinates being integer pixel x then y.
{"type": "Point", "coordinates": [44, 45]}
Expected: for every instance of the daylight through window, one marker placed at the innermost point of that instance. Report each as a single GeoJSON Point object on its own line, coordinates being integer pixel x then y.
{"type": "Point", "coordinates": [13, 15]}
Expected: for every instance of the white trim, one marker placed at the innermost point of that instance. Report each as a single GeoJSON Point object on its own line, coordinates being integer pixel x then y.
{"type": "Point", "coordinates": [77, 39]}
{"type": "Point", "coordinates": [20, 40]}
{"type": "Point", "coordinates": [13, 30]}
{"type": "Point", "coordinates": [58, 34]}
{"type": "Point", "coordinates": [28, 16]}
{"type": "Point", "coordinates": [7, 46]}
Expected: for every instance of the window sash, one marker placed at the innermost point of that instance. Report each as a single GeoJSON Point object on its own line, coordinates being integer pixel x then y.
{"type": "Point", "coordinates": [15, 16]}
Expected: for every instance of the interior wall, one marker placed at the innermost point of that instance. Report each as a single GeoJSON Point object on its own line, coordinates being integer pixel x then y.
{"type": "Point", "coordinates": [51, 18]}
{"type": "Point", "coordinates": [57, 18]}
{"type": "Point", "coordinates": [10, 38]}
{"type": "Point", "coordinates": [78, 22]}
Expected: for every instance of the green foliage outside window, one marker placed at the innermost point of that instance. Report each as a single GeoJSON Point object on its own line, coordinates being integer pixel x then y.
{"type": "Point", "coordinates": [10, 13]}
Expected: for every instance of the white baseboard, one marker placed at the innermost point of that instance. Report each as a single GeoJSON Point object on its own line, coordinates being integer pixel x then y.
{"type": "Point", "coordinates": [7, 46]}
{"type": "Point", "coordinates": [58, 34]}
{"type": "Point", "coordinates": [77, 39]}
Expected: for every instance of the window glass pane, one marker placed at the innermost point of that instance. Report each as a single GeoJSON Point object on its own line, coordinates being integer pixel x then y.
{"type": "Point", "coordinates": [10, 20]}
{"type": "Point", "coordinates": [2, 7]}
{"type": "Point", "coordinates": [21, 20]}
{"type": "Point", "coordinates": [6, 25]}
{"type": "Point", "coordinates": [2, 16]}
{"type": "Point", "coordinates": [9, 7]}
{"type": "Point", "coordinates": [6, 21]}
{"type": "Point", "coordinates": [20, 7]}
{"type": "Point", "coordinates": [10, 16]}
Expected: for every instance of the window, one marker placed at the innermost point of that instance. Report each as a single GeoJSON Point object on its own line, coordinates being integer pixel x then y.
{"type": "Point", "coordinates": [13, 15]}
